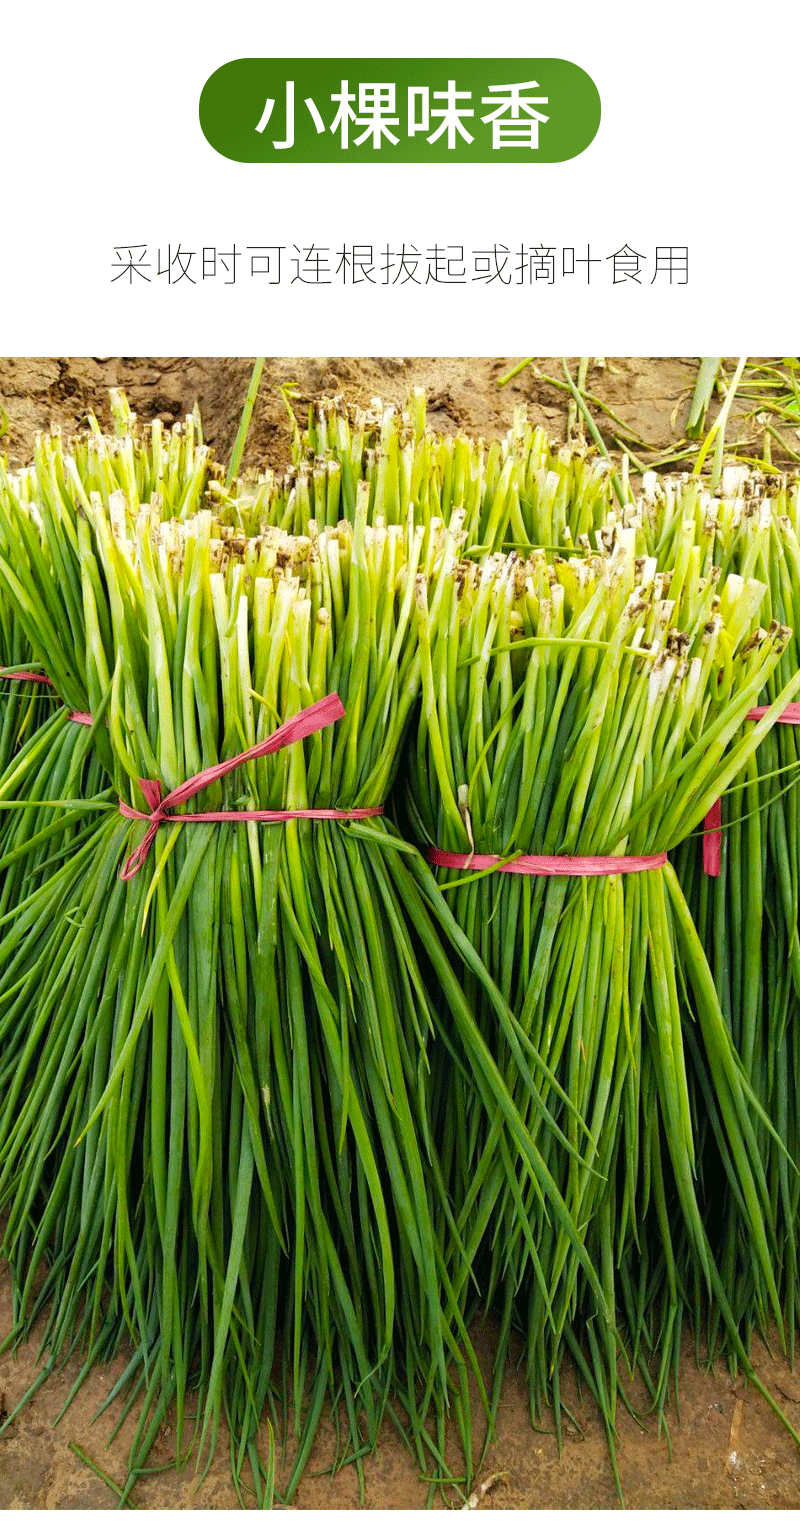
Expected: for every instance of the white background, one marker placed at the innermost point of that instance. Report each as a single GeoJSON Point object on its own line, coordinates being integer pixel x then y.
{"type": "Point", "coordinates": [101, 143]}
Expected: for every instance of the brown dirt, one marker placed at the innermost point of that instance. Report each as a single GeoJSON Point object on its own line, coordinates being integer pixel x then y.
{"type": "Point", "coordinates": [727, 1449]}
{"type": "Point", "coordinates": [651, 394]}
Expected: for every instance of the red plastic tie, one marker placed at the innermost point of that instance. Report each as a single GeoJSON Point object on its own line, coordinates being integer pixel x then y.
{"type": "Point", "coordinates": [27, 677]}
{"type": "Point", "coordinates": [80, 716]}
{"type": "Point", "coordinates": [788, 717]}
{"type": "Point", "coordinates": [307, 721]}
{"type": "Point", "coordinates": [712, 822]}
{"type": "Point", "coordinates": [550, 864]}
{"type": "Point", "coordinates": [712, 840]}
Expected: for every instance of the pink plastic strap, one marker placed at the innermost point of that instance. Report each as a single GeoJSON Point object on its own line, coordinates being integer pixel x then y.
{"type": "Point", "coordinates": [788, 717]}
{"type": "Point", "coordinates": [712, 823]}
{"type": "Point", "coordinates": [27, 677]}
{"type": "Point", "coordinates": [307, 721]}
{"type": "Point", "coordinates": [712, 840]}
{"type": "Point", "coordinates": [39, 677]}
{"type": "Point", "coordinates": [550, 864]}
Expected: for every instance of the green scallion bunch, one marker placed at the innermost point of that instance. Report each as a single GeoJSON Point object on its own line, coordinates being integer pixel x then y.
{"type": "Point", "coordinates": [593, 706]}
{"type": "Point", "coordinates": [215, 1131]}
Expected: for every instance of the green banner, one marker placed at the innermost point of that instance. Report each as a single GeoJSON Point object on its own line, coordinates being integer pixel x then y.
{"type": "Point", "coordinates": [400, 110]}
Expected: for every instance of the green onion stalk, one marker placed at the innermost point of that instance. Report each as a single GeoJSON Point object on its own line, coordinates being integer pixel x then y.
{"type": "Point", "coordinates": [54, 774]}
{"type": "Point", "coordinates": [217, 1129]}
{"type": "Point", "coordinates": [45, 756]}
{"type": "Point", "coordinates": [407, 465]}
{"type": "Point", "coordinates": [22, 707]}
{"type": "Point", "coordinates": [747, 918]}
{"type": "Point", "coordinates": [582, 707]}
{"type": "Point", "coordinates": [748, 921]}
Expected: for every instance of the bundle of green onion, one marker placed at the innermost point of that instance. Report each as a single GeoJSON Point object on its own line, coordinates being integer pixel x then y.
{"type": "Point", "coordinates": [592, 707]}
{"type": "Point", "coordinates": [409, 471]}
{"type": "Point", "coordinates": [215, 1128]}
{"type": "Point", "coordinates": [748, 917]}
{"type": "Point", "coordinates": [45, 756]}
{"type": "Point", "coordinates": [517, 491]}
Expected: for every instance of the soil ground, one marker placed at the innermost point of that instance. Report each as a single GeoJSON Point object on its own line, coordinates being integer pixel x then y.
{"type": "Point", "coordinates": [650, 394]}
{"type": "Point", "coordinates": [727, 1448]}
